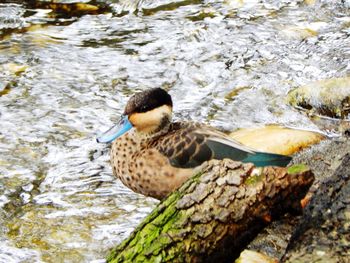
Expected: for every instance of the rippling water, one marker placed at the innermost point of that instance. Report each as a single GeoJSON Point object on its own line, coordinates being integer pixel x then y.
{"type": "Point", "coordinates": [66, 76]}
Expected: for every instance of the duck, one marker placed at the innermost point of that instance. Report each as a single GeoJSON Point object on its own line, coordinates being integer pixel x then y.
{"type": "Point", "coordinates": [153, 156]}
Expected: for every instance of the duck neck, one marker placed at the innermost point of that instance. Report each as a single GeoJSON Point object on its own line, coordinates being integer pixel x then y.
{"type": "Point", "coordinates": [161, 129]}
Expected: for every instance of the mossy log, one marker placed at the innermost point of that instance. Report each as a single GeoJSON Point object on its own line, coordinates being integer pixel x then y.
{"type": "Point", "coordinates": [215, 213]}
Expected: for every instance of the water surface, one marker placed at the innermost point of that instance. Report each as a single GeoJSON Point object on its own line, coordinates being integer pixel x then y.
{"type": "Point", "coordinates": [66, 76]}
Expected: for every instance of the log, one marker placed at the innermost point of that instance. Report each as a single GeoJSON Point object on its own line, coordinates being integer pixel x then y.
{"type": "Point", "coordinates": [215, 213]}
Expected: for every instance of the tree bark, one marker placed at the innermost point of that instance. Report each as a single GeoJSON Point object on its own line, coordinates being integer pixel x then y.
{"type": "Point", "coordinates": [215, 213]}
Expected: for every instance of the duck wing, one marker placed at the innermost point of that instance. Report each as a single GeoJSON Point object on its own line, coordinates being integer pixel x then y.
{"type": "Point", "coordinates": [188, 147]}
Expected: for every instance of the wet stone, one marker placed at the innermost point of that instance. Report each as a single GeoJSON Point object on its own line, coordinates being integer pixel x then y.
{"type": "Point", "coordinates": [282, 140]}
{"type": "Point", "coordinates": [329, 97]}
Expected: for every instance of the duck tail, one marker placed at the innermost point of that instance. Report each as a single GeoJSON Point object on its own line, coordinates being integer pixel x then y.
{"type": "Point", "coordinates": [268, 159]}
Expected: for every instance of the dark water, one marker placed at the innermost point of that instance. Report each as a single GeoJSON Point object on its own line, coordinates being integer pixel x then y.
{"type": "Point", "coordinates": [66, 75]}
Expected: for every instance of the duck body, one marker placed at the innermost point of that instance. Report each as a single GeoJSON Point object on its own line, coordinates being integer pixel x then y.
{"type": "Point", "coordinates": [153, 156]}
{"type": "Point", "coordinates": [141, 163]}
{"type": "Point", "coordinates": [155, 166]}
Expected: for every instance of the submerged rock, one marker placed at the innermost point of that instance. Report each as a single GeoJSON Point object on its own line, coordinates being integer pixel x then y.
{"type": "Point", "coordinates": [73, 8]}
{"type": "Point", "coordinates": [14, 69]}
{"type": "Point", "coordinates": [303, 31]}
{"type": "Point", "coordinates": [277, 139]}
{"type": "Point", "coordinates": [330, 97]}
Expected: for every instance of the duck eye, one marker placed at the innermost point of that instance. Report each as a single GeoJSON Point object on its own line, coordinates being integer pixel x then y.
{"type": "Point", "coordinates": [143, 108]}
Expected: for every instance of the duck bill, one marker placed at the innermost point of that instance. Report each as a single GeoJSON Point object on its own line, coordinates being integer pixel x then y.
{"type": "Point", "coordinates": [116, 131]}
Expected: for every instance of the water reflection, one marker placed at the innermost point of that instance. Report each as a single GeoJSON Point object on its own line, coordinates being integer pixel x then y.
{"type": "Point", "coordinates": [227, 63]}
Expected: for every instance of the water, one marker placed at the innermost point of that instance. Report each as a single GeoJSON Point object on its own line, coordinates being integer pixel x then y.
{"type": "Point", "coordinates": [65, 78]}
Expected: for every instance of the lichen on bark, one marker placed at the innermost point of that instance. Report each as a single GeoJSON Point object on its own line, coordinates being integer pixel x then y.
{"type": "Point", "coordinates": [214, 214]}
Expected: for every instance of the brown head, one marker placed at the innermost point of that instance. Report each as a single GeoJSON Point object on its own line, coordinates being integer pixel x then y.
{"type": "Point", "coordinates": [149, 111]}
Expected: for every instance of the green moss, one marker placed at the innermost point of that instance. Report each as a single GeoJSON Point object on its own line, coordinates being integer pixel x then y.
{"type": "Point", "coordinates": [161, 228]}
{"type": "Point", "coordinates": [201, 16]}
{"type": "Point", "coordinates": [297, 168]}
{"type": "Point", "coordinates": [6, 90]}
{"type": "Point", "coordinates": [231, 96]}
{"type": "Point", "coordinates": [148, 234]}
{"type": "Point", "coordinates": [164, 217]}
{"type": "Point", "coordinates": [255, 177]}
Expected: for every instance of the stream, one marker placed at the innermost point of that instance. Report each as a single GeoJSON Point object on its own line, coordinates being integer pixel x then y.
{"type": "Point", "coordinates": [67, 71]}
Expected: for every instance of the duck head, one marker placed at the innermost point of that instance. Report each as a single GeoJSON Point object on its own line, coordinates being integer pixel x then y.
{"type": "Point", "coordinates": [147, 111]}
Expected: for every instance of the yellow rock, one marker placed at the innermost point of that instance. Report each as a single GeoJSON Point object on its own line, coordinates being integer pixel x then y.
{"type": "Point", "coordinates": [86, 7]}
{"type": "Point", "coordinates": [303, 31]}
{"type": "Point", "coordinates": [298, 32]}
{"type": "Point", "coordinates": [235, 92]}
{"type": "Point", "coordinates": [250, 256]}
{"type": "Point", "coordinates": [277, 139]}
{"type": "Point", "coordinates": [329, 97]}
{"type": "Point", "coordinates": [310, 2]}
{"type": "Point", "coordinates": [36, 27]}
{"type": "Point", "coordinates": [68, 8]}
{"type": "Point", "coordinates": [235, 3]}
{"type": "Point", "coordinates": [5, 90]}
{"type": "Point", "coordinates": [241, 3]}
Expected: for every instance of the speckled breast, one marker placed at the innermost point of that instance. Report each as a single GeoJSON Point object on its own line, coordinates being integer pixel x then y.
{"type": "Point", "coordinates": [122, 154]}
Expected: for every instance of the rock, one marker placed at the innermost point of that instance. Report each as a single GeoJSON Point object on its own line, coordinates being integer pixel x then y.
{"type": "Point", "coordinates": [303, 31]}
{"type": "Point", "coordinates": [277, 139]}
{"type": "Point", "coordinates": [299, 32]}
{"type": "Point", "coordinates": [5, 89]}
{"type": "Point", "coordinates": [324, 159]}
{"type": "Point", "coordinates": [62, 8]}
{"type": "Point", "coordinates": [14, 69]}
{"type": "Point", "coordinates": [330, 97]}
{"type": "Point", "coordinates": [323, 234]}
{"type": "Point", "coordinates": [250, 256]}
{"type": "Point", "coordinates": [231, 96]}
{"type": "Point", "coordinates": [71, 8]}
{"type": "Point", "coordinates": [310, 2]}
